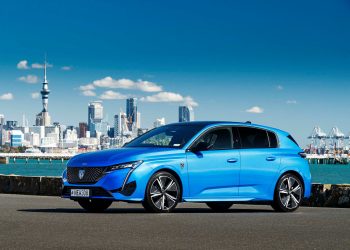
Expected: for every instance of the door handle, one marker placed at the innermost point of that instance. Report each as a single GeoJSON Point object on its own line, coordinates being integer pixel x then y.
{"type": "Point", "coordinates": [232, 160]}
{"type": "Point", "coordinates": [270, 158]}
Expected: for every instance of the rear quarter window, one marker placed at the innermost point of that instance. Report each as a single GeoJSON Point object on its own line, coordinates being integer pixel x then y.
{"type": "Point", "coordinates": [293, 140]}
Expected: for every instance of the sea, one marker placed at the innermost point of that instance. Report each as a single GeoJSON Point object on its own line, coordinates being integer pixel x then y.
{"type": "Point", "coordinates": [324, 173]}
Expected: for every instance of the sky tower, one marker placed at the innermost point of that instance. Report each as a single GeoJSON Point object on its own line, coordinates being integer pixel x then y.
{"type": "Point", "coordinates": [43, 118]}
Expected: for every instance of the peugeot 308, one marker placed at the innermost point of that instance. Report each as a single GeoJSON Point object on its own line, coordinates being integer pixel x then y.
{"type": "Point", "coordinates": [217, 163]}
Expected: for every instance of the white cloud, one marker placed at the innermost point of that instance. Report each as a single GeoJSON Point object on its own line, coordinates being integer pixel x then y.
{"type": "Point", "coordinates": [6, 96]}
{"type": "Point", "coordinates": [170, 97]}
{"type": "Point", "coordinates": [35, 95]}
{"type": "Point", "coordinates": [188, 100]}
{"type": "Point", "coordinates": [109, 82]}
{"type": "Point", "coordinates": [66, 68]}
{"type": "Point", "coordinates": [279, 87]}
{"type": "Point", "coordinates": [41, 66]}
{"type": "Point", "coordinates": [88, 93]}
{"type": "Point", "coordinates": [291, 102]}
{"type": "Point", "coordinates": [147, 86]}
{"type": "Point", "coordinates": [163, 97]}
{"type": "Point", "coordinates": [144, 86]}
{"type": "Point", "coordinates": [29, 79]}
{"type": "Point", "coordinates": [112, 95]}
{"type": "Point", "coordinates": [87, 87]}
{"type": "Point", "coordinates": [255, 110]}
{"type": "Point", "coordinates": [22, 64]}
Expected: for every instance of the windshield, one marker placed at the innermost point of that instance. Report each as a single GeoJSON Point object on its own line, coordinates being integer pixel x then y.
{"type": "Point", "coordinates": [169, 136]}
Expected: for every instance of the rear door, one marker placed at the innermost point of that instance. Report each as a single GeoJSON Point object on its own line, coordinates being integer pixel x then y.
{"type": "Point", "coordinates": [214, 172]}
{"type": "Point", "coordinates": [260, 162]}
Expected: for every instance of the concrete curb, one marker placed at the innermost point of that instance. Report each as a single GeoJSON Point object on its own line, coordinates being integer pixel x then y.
{"type": "Point", "coordinates": [322, 195]}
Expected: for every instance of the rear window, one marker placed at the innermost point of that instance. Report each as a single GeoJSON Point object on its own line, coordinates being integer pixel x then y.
{"type": "Point", "coordinates": [293, 140]}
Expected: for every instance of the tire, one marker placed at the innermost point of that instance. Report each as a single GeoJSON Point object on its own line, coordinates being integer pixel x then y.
{"type": "Point", "coordinates": [219, 206]}
{"type": "Point", "coordinates": [288, 194]}
{"type": "Point", "coordinates": [94, 205]}
{"type": "Point", "coordinates": [163, 193]}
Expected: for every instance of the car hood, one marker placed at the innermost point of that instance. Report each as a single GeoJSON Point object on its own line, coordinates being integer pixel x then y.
{"type": "Point", "coordinates": [116, 156]}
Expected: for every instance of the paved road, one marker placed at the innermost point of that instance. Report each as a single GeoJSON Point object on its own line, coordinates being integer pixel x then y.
{"type": "Point", "coordinates": [33, 222]}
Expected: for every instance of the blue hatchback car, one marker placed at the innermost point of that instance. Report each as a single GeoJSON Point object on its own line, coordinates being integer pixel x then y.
{"type": "Point", "coordinates": [217, 163]}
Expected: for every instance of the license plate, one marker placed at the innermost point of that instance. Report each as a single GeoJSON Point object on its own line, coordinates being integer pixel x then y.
{"type": "Point", "coordinates": [80, 192]}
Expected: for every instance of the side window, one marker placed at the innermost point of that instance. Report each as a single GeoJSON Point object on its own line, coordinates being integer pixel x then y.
{"type": "Point", "coordinates": [272, 139]}
{"type": "Point", "coordinates": [215, 140]}
{"type": "Point", "coordinates": [253, 138]}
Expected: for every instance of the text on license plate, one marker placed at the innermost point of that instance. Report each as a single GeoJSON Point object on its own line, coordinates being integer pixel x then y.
{"type": "Point", "coordinates": [80, 192]}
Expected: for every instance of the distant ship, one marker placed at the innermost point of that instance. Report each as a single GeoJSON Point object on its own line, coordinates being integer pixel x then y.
{"type": "Point", "coordinates": [32, 150]}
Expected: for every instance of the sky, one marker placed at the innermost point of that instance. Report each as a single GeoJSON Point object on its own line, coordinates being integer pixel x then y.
{"type": "Point", "coordinates": [284, 64]}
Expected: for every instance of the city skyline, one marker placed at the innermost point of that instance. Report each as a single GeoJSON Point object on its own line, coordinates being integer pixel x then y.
{"type": "Point", "coordinates": [230, 61]}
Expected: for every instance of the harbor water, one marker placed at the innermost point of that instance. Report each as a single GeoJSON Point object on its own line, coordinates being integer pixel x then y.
{"type": "Point", "coordinates": [323, 173]}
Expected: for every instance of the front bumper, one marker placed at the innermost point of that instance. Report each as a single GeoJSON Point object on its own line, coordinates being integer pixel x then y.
{"type": "Point", "coordinates": [115, 185]}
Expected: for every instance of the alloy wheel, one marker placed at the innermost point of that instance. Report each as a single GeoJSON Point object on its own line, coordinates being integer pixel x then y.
{"type": "Point", "coordinates": [290, 192]}
{"type": "Point", "coordinates": [164, 192]}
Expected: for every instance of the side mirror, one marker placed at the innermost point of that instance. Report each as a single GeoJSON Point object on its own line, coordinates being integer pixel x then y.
{"type": "Point", "coordinates": [201, 146]}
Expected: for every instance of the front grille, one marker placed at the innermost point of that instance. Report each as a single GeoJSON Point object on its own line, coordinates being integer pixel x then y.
{"type": "Point", "coordinates": [94, 191]}
{"type": "Point", "coordinates": [87, 175]}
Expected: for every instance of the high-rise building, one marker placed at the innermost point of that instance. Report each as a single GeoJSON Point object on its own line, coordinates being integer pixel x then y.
{"type": "Point", "coordinates": [159, 122]}
{"type": "Point", "coordinates": [2, 119]}
{"type": "Point", "coordinates": [131, 111]}
{"type": "Point", "coordinates": [120, 125]}
{"type": "Point", "coordinates": [83, 127]}
{"type": "Point", "coordinates": [43, 118]}
{"type": "Point", "coordinates": [2, 124]}
{"type": "Point", "coordinates": [138, 120]}
{"type": "Point", "coordinates": [117, 125]}
{"type": "Point", "coordinates": [95, 116]}
{"type": "Point", "coordinates": [16, 138]}
{"type": "Point", "coordinates": [11, 125]}
{"type": "Point", "coordinates": [186, 114]}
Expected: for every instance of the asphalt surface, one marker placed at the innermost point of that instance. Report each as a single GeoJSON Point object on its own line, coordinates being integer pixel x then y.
{"type": "Point", "coordinates": [33, 222]}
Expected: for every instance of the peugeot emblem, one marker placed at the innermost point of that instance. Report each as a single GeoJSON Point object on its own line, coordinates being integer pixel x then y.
{"type": "Point", "coordinates": [81, 173]}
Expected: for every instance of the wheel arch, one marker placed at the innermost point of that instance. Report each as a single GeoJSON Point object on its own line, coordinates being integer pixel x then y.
{"type": "Point", "coordinates": [291, 172]}
{"type": "Point", "coordinates": [175, 174]}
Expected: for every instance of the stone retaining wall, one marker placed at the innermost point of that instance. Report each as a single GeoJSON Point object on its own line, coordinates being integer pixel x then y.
{"type": "Point", "coordinates": [326, 195]}
{"type": "Point", "coordinates": [13, 184]}
{"type": "Point", "coordinates": [323, 195]}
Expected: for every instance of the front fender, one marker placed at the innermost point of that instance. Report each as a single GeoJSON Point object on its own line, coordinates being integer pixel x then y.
{"type": "Point", "coordinates": [143, 173]}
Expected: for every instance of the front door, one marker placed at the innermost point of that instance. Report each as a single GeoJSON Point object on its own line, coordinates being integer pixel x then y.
{"type": "Point", "coordinates": [213, 166]}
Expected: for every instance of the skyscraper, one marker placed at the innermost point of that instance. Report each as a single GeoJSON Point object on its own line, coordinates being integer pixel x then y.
{"type": "Point", "coordinates": [95, 116]}
{"type": "Point", "coordinates": [43, 118]}
{"type": "Point", "coordinates": [186, 114]}
{"type": "Point", "coordinates": [2, 123]}
{"type": "Point", "coordinates": [117, 125]}
{"type": "Point", "coordinates": [83, 127]}
{"type": "Point", "coordinates": [131, 112]}
{"type": "Point", "coordinates": [120, 125]}
{"type": "Point", "coordinates": [138, 120]}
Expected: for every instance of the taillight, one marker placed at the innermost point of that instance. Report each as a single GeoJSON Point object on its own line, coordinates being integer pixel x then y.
{"type": "Point", "coordinates": [302, 154]}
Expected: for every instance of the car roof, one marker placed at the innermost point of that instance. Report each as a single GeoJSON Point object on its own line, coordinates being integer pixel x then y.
{"type": "Point", "coordinates": [214, 123]}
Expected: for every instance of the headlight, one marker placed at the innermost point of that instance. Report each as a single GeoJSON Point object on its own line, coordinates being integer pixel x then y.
{"type": "Point", "coordinates": [133, 164]}
{"type": "Point", "coordinates": [64, 175]}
